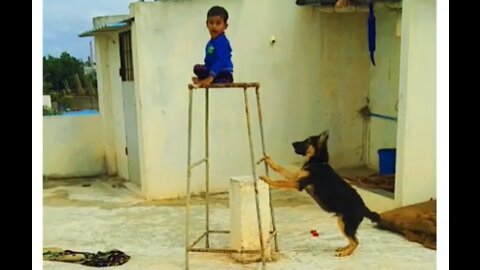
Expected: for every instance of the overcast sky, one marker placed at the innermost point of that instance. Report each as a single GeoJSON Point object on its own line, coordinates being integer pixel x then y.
{"type": "Point", "coordinates": [63, 20]}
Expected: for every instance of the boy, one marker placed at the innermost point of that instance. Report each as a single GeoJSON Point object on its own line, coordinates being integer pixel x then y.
{"type": "Point", "coordinates": [218, 66]}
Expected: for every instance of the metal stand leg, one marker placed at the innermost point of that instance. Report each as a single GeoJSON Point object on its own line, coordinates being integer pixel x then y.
{"type": "Point", "coordinates": [189, 176]}
{"type": "Point", "coordinates": [260, 121]}
{"type": "Point", "coordinates": [207, 173]}
{"type": "Point", "coordinates": [191, 247]}
{"type": "Point", "coordinates": [254, 174]}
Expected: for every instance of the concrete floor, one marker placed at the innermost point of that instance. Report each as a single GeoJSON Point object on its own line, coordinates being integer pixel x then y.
{"type": "Point", "coordinates": [97, 215]}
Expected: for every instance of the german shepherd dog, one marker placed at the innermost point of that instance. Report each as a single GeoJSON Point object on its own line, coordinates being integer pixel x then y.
{"type": "Point", "coordinates": [326, 187]}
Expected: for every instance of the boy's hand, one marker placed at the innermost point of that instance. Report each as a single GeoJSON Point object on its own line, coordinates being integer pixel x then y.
{"type": "Point", "coordinates": [206, 82]}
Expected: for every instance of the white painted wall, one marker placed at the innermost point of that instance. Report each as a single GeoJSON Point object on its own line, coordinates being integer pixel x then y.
{"type": "Point", "coordinates": [416, 140]}
{"type": "Point", "coordinates": [47, 101]}
{"type": "Point", "coordinates": [106, 112]}
{"type": "Point", "coordinates": [131, 131]}
{"type": "Point", "coordinates": [383, 88]}
{"type": "Point", "coordinates": [315, 77]}
{"type": "Point", "coordinates": [111, 103]}
{"type": "Point", "coordinates": [376, 202]}
{"type": "Point", "coordinates": [72, 146]}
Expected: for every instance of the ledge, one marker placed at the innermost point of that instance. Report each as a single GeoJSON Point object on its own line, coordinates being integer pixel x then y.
{"type": "Point", "coordinates": [227, 85]}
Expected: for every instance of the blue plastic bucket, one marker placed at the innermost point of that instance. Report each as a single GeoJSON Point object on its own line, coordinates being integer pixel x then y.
{"type": "Point", "coordinates": [387, 160]}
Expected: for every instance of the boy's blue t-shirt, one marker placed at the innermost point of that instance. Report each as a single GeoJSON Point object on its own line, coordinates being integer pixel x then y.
{"type": "Point", "coordinates": [218, 55]}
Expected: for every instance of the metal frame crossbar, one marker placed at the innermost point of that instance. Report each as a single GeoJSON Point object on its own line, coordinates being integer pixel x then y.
{"type": "Point", "coordinates": [190, 247]}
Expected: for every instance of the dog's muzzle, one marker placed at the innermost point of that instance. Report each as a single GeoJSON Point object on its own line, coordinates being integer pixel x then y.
{"type": "Point", "coordinates": [300, 148]}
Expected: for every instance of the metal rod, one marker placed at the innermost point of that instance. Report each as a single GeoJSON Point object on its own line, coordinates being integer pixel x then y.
{"type": "Point", "coordinates": [254, 173]}
{"type": "Point", "coordinates": [189, 175]}
{"type": "Point", "coordinates": [224, 250]}
{"type": "Point", "coordinates": [272, 233]}
{"type": "Point", "coordinates": [225, 85]}
{"type": "Point", "coordinates": [262, 135]}
{"type": "Point", "coordinates": [383, 116]}
{"type": "Point", "coordinates": [198, 239]}
{"type": "Point", "coordinates": [198, 163]}
{"type": "Point", "coordinates": [219, 231]}
{"type": "Point", "coordinates": [207, 172]}
{"type": "Point", "coordinates": [261, 160]}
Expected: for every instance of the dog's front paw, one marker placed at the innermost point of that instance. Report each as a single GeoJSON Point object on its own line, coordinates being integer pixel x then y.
{"type": "Point", "coordinates": [270, 162]}
{"type": "Point", "coordinates": [265, 179]}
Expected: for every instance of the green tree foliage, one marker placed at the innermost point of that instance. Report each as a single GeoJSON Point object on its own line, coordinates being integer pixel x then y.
{"type": "Point", "coordinates": [59, 72]}
{"type": "Point", "coordinates": [64, 80]}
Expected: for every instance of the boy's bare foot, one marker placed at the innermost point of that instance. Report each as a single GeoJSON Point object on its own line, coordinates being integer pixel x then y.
{"type": "Point", "coordinates": [341, 3]}
{"type": "Point", "coordinates": [195, 80]}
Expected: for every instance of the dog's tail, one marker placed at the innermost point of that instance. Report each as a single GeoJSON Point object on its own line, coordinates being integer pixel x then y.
{"type": "Point", "coordinates": [373, 216]}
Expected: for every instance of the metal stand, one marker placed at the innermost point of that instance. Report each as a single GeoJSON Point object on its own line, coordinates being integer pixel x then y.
{"type": "Point", "coordinates": [190, 247]}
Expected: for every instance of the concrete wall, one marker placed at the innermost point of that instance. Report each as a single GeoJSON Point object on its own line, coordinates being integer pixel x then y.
{"type": "Point", "coordinates": [102, 20]}
{"type": "Point", "coordinates": [383, 87]}
{"type": "Point", "coordinates": [111, 103]}
{"type": "Point", "coordinates": [416, 141]}
{"type": "Point", "coordinates": [47, 101]}
{"type": "Point", "coordinates": [315, 77]}
{"type": "Point", "coordinates": [376, 202]}
{"type": "Point", "coordinates": [72, 146]}
{"type": "Point", "coordinates": [84, 103]}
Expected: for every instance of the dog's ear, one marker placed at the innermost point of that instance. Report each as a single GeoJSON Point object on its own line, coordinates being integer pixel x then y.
{"type": "Point", "coordinates": [322, 140]}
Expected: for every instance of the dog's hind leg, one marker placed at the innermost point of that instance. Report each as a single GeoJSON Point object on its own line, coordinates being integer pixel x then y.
{"type": "Point", "coordinates": [348, 228]}
{"type": "Point", "coordinates": [341, 226]}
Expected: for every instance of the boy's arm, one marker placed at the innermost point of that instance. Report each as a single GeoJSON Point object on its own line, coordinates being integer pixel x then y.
{"type": "Point", "coordinates": [205, 82]}
{"type": "Point", "coordinates": [223, 54]}
{"type": "Point", "coordinates": [222, 51]}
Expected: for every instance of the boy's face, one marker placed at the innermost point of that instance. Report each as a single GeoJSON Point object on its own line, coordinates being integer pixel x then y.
{"type": "Point", "coordinates": [216, 25]}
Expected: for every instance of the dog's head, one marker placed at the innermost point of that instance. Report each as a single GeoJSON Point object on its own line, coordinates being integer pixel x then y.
{"type": "Point", "coordinates": [313, 146]}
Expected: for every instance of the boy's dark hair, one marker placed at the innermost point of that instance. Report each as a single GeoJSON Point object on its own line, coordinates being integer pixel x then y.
{"type": "Point", "coordinates": [218, 11]}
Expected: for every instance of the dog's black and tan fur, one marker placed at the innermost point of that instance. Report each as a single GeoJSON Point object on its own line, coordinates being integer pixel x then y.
{"type": "Point", "coordinates": [328, 189]}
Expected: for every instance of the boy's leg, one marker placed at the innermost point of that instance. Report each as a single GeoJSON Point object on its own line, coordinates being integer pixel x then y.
{"type": "Point", "coordinates": [223, 77]}
{"type": "Point", "coordinates": [201, 71]}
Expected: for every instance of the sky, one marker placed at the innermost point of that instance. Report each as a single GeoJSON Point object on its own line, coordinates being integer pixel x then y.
{"type": "Point", "coordinates": [63, 20]}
